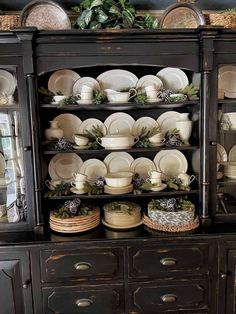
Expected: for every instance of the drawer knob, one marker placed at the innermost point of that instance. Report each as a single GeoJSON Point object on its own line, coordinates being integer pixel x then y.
{"type": "Point", "coordinates": [84, 302]}
{"type": "Point", "coordinates": [82, 266]}
{"type": "Point", "coordinates": [168, 261]}
{"type": "Point", "coordinates": [168, 298]}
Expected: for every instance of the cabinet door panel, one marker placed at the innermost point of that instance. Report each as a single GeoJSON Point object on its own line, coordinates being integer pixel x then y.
{"type": "Point", "coordinates": [164, 297]}
{"type": "Point", "coordinates": [84, 300]}
{"type": "Point", "coordinates": [81, 264]}
{"type": "Point", "coordinates": [166, 260]}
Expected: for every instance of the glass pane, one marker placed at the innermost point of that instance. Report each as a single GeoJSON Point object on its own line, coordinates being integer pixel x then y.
{"type": "Point", "coordinates": [226, 148]}
{"type": "Point", "coordinates": [12, 190]}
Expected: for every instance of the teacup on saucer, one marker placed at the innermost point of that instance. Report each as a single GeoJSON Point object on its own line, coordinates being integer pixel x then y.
{"type": "Point", "coordinates": [77, 191]}
{"type": "Point", "coordinates": [158, 188]}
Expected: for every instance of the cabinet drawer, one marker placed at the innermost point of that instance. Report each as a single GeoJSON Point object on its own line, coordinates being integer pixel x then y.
{"type": "Point", "coordinates": [102, 299]}
{"type": "Point", "coordinates": [157, 261]}
{"type": "Point", "coordinates": [164, 297]}
{"type": "Point", "coordinates": [81, 264]}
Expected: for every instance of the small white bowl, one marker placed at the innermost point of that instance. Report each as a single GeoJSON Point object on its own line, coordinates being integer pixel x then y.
{"type": "Point", "coordinates": [117, 141]}
{"type": "Point", "coordinates": [119, 179]}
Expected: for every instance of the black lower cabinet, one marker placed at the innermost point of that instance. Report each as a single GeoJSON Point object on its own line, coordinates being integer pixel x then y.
{"type": "Point", "coordinates": [15, 283]}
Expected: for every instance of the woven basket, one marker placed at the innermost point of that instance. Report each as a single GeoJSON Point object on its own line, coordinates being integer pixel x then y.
{"type": "Point", "coordinates": [8, 21]}
{"type": "Point", "coordinates": [223, 19]}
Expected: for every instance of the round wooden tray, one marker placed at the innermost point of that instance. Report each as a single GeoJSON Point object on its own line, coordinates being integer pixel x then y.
{"type": "Point", "coordinates": [169, 227]}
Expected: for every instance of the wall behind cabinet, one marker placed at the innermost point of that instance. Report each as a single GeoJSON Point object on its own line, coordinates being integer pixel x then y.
{"type": "Point", "coordinates": [7, 5]}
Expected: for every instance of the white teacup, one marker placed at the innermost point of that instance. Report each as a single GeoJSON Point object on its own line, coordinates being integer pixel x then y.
{"type": "Point", "coordinates": [151, 91]}
{"type": "Point", "coordinates": [114, 96]}
{"type": "Point", "coordinates": [153, 174]}
{"type": "Point", "coordinates": [80, 140]}
{"type": "Point", "coordinates": [51, 184]}
{"type": "Point", "coordinates": [86, 93]}
{"type": "Point", "coordinates": [157, 139]}
{"type": "Point", "coordinates": [79, 185]}
{"type": "Point", "coordinates": [186, 178]}
{"type": "Point", "coordinates": [77, 176]}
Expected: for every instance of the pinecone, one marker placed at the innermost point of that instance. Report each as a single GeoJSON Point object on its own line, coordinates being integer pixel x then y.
{"type": "Point", "coordinates": [164, 94]}
{"type": "Point", "coordinates": [63, 144]}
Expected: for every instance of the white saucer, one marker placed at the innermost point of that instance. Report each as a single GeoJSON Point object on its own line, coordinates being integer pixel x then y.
{"type": "Point", "coordinates": [154, 100]}
{"type": "Point", "coordinates": [159, 188]}
{"type": "Point", "coordinates": [121, 227]}
{"type": "Point", "coordinates": [118, 190]}
{"type": "Point", "coordinates": [84, 102]}
{"type": "Point", "coordinates": [81, 146]}
{"type": "Point", "coordinates": [77, 191]}
{"type": "Point", "coordinates": [157, 144]}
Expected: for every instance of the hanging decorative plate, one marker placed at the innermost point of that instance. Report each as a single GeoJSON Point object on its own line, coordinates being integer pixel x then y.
{"type": "Point", "coordinates": [118, 161]}
{"type": "Point", "coordinates": [173, 79]}
{"type": "Point", "coordinates": [144, 123]}
{"type": "Point", "coordinates": [90, 124]}
{"type": "Point", "coordinates": [46, 15]}
{"type": "Point", "coordinates": [142, 166]}
{"type": "Point", "coordinates": [119, 123]}
{"type": "Point", "coordinates": [93, 168]}
{"type": "Point", "coordinates": [62, 81]}
{"type": "Point", "coordinates": [182, 15]}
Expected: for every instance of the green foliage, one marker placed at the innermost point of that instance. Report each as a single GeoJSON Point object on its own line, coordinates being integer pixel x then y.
{"type": "Point", "coordinates": [176, 184]}
{"type": "Point", "coordinates": [144, 136]}
{"type": "Point", "coordinates": [99, 97]}
{"type": "Point", "coordinates": [96, 132]}
{"type": "Point", "coordinates": [141, 99]}
{"type": "Point", "coordinates": [100, 14]}
{"type": "Point", "coordinates": [60, 190]}
{"type": "Point", "coordinates": [70, 100]}
{"type": "Point", "coordinates": [191, 91]}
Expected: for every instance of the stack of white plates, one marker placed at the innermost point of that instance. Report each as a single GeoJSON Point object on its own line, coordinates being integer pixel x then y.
{"type": "Point", "coordinates": [230, 169]}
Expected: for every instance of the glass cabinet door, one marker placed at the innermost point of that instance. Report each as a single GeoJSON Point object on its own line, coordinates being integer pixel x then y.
{"type": "Point", "coordinates": [13, 203]}
{"type": "Point", "coordinates": [226, 140]}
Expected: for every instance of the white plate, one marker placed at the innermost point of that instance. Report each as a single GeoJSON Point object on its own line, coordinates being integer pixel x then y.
{"type": "Point", "coordinates": [147, 80]}
{"type": "Point", "coordinates": [142, 166]}
{"type": "Point", "coordinates": [2, 165]}
{"type": "Point", "coordinates": [121, 227]}
{"type": "Point", "coordinates": [7, 83]}
{"type": "Point", "coordinates": [77, 147]}
{"type": "Point", "coordinates": [232, 153]}
{"type": "Point", "coordinates": [171, 162]}
{"type": "Point", "coordinates": [86, 80]}
{"type": "Point", "coordinates": [167, 120]}
{"type": "Point", "coordinates": [221, 155]}
{"type": "Point", "coordinates": [196, 161]}
{"type": "Point", "coordinates": [173, 78]}
{"type": "Point", "coordinates": [61, 166]}
{"type": "Point", "coordinates": [117, 79]}
{"type": "Point", "coordinates": [93, 168]}
{"type": "Point", "coordinates": [69, 123]}
{"type": "Point", "coordinates": [88, 124]}
{"type": "Point", "coordinates": [119, 123]}
{"type": "Point", "coordinates": [144, 122]}
{"type": "Point", "coordinates": [227, 80]}
{"type": "Point", "coordinates": [62, 81]}
{"type": "Point", "coordinates": [77, 191]}
{"type": "Point", "coordinates": [118, 161]}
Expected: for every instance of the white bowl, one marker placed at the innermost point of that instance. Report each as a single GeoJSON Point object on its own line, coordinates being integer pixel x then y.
{"type": "Point", "coordinates": [119, 179]}
{"type": "Point", "coordinates": [116, 141]}
{"type": "Point", "coordinates": [80, 140]}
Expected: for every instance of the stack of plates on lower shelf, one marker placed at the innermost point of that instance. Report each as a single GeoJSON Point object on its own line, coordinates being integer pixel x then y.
{"type": "Point", "coordinates": [76, 224]}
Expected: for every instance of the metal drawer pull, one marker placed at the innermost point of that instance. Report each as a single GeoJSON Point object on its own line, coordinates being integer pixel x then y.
{"type": "Point", "coordinates": [168, 261]}
{"type": "Point", "coordinates": [168, 298]}
{"type": "Point", "coordinates": [84, 302]}
{"type": "Point", "coordinates": [82, 266]}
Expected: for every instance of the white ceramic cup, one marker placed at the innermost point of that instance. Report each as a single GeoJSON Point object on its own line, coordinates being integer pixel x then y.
{"type": "Point", "coordinates": [186, 178]}
{"type": "Point", "coordinates": [79, 185]}
{"type": "Point", "coordinates": [151, 91]}
{"type": "Point", "coordinates": [157, 139]}
{"type": "Point", "coordinates": [86, 92]}
{"type": "Point", "coordinates": [77, 176]}
{"type": "Point", "coordinates": [80, 140]}
{"type": "Point", "coordinates": [58, 98]}
{"type": "Point", "coordinates": [51, 184]}
{"type": "Point", "coordinates": [153, 174]}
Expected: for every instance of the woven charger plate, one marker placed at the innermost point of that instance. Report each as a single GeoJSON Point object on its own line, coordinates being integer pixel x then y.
{"type": "Point", "coordinates": [168, 227]}
{"type": "Point", "coordinates": [75, 230]}
{"type": "Point", "coordinates": [76, 219]}
{"type": "Point", "coordinates": [74, 227]}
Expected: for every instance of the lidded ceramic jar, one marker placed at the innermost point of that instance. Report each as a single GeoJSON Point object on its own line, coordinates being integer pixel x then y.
{"type": "Point", "coordinates": [54, 131]}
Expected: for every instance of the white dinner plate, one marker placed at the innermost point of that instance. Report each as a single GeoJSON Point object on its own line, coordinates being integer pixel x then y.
{"type": "Point", "coordinates": [62, 82]}
{"type": "Point", "coordinates": [61, 166]}
{"type": "Point", "coordinates": [93, 168]}
{"type": "Point", "coordinates": [121, 227]}
{"type": "Point", "coordinates": [69, 123]}
{"type": "Point", "coordinates": [171, 162]}
{"type": "Point", "coordinates": [167, 120]}
{"type": "Point", "coordinates": [117, 80]}
{"type": "Point", "coordinates": [145, 122]}
{"type": "Point", "coordinates": [173, 79]}
{"type": "Point", "coordinates": [7, 83]}
{"type": "Point", "coordinates": [221, 155]}
{"type": "Point", "coordinates": [147, 80]}
{"type": "Point", "coordinates": [86, 80]}
{"type": "Point", "coordinates": [118, 161]}
{"type": "Point", "coordinates": [232, 153]}
{"type": "Point", "coordinates": [227, 80]}
{"type": "Point", "coordinates": [119, 123]}
{"type": "Point", "coordinates": [142, 166]}
{"type": "Point", "coordinates": [89, 124]}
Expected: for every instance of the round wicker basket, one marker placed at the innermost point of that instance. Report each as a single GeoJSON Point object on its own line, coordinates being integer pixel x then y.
{"type": "Point", "coordinates": [8, 21]}
{"type": "Point", "coordinates": [223, 19]}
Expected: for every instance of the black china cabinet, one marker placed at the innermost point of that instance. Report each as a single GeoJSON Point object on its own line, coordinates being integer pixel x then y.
{"type": "Point", "coordinates": [102, 270]}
